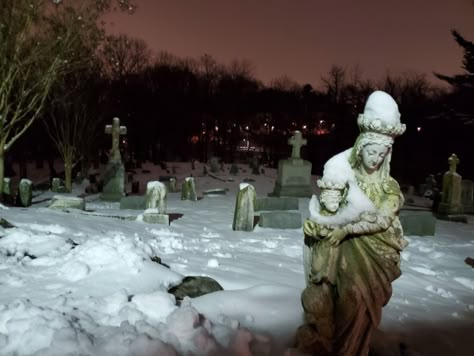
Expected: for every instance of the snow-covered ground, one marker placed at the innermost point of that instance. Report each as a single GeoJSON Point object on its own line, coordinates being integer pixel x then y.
{"type": "Point", "coordinates": [84, 283]}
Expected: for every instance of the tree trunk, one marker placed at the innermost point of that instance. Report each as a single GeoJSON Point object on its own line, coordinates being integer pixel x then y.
{"type": "Point", "coordinates": [68, 172]}
{"type": "Point", "coordinates": [2, 168]}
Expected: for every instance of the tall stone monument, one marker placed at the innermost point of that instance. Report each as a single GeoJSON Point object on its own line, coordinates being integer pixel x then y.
{"type": "Point", "coordinates": [114, 174]}
{"type": "Point", "coordinates": [294, 173]}
{"type": "Point", "coordinates": [451, 203]}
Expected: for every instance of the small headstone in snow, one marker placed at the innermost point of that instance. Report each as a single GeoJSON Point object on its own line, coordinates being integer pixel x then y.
{"type": "Point", "coordinates": [25, 192]}
{"type": "Point", "coordinates": [156, 196]}
{"type": "Point", "coordinates": [244, 208]}
{"type": "Point", "coordinates": [188, 190]}
{"type": "Point", "coordinates": [194, 286]}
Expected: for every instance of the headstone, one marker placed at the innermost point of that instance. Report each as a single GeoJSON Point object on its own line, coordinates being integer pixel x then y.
{"type": "Point", "coordinates": [7, 186]}
{"type": "Point", "coordinates": [188, 190]}
{"type": "Point", "coordinates": [156, 196]}
{"type": "Point", "coordinates": [25, 192]}
{"type": "Point", "coordinates": [244, 208]}
{"type": "Point", "coordinates": [114, 176]}
{"type": "Point", "coordinates": [8, 196]}
{"type": "Point", "coordinates": [451, 196]}
{"type": "Point", "coordinates": [214, 164]}
{"type": "Point", "coordinates": [67, 202]}
{"type": "Point", "coordinates": [172, 185]}
{"type": "Point", "coordinates": [294, 174]}
{"type": "Point", "coordinates": [277, 203]}
{"type": "Point", "coordinates": [155, 212]}
{"type": "Point", "coordinates": [280, 220]}
{"type": "Point", "coordinates": [467, 195]}
{"type": "Point", "coordinates": [57, 185]}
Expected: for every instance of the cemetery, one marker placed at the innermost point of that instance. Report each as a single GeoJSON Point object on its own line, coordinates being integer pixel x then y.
{"type": "Point", "coordinates": [158, 205]}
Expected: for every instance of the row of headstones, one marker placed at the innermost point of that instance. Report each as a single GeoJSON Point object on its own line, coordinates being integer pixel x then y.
{"type": "Point", "coordinates": [215, 166]}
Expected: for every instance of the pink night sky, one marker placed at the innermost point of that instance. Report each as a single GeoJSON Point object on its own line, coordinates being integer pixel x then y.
{"type": "Point", "coordinates": [303, 38]}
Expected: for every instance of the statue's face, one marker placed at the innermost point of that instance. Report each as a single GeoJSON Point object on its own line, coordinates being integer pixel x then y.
{"type": "Point", "coordinates": [331, 198]}
{"type": "Point", "coordinates": [372, 156]}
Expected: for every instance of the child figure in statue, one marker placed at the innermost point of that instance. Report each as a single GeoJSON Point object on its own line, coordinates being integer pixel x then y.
{"type": "Point", "coordinates": [355, 253]}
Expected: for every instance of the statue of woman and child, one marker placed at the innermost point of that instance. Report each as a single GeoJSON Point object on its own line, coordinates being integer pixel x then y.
{"type": "Point", "coordinates": [353, 239]}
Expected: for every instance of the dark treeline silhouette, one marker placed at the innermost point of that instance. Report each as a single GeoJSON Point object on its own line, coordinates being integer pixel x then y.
{"type": "Point", "coordinates": [184, 109]}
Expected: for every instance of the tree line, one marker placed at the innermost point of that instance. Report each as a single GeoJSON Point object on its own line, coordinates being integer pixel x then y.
{"type": "Point", "coordinates": [79, 78]}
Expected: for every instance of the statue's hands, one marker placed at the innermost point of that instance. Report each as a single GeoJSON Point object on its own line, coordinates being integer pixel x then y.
{"type": "Point", "coordinates": [310, 228]}
{"type": "Point", "coordinates": [336, 236]}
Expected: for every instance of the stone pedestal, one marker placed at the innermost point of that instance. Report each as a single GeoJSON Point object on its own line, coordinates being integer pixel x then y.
{"type": "Point", "coordinates": [294, 178]}
{"type": "Point", "coordinates": [114, 182]}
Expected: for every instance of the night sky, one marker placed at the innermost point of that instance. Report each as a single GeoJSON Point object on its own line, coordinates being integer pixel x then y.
{"type": "Point", "coordinates": [303, 38]}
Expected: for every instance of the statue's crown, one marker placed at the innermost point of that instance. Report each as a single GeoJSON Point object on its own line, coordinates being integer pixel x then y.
{"type": "Point", "coordinates": [381, 115]}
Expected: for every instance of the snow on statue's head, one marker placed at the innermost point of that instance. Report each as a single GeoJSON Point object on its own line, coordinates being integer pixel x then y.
{"type": "Point", "coordinates": [379, 124]}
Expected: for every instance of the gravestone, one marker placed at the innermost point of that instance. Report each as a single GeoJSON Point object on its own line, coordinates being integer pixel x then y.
{"type": "Point", "coordinates": [114, 175]}
{"type": "Point", "coordinates": [8, 196]}
{"type": "Point", "coordinates": [188, 190]}
{"type": "Point", "coordinates": [155, 212]}
{"type": "Point", "coordinates": [451, 205]}
{"type": "Point", "coordinates": [294, 174]}
{"type": "Point", "coordinates": [172, 185]}
{"type": "Point", "coordinates": [244, 208]}
{"type": "Point", "coordinates": [467, 195]}
{"type": "Point", "coordinates": [25, 192]}
{"type": "Point", "coordinates": [57, 185]}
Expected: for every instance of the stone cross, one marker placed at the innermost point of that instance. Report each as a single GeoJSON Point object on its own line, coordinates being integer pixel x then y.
{"type": "Point", "coordinates": [116, 130]}
{"type": "Point", "coordinates": [453, 161]}
{"type": "Point", "coordinates": [296, 141]}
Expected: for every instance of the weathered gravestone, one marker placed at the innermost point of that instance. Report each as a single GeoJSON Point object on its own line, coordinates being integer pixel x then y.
{"type": "Point", "coordinates": [244, 208]}
{"type": "Point", "coordinates": [25, 192]}
{"type": "Point", "coordinates": [467, 195]}
{"type": "Point", "coordinates": [114, 174]}
{"type": "Point", "coordinates": [7, 190]}
{"type": "Point", "coordinates": [57, 185]}
{"type": "Point", "coordinates": [450, 207]}
{"type": "Point", "coordinates": [188, 189]}
{"type": "Point", "coordinates": [294, 174]}
{"type": "Point", "coordinates": [155, 211]}
{"type": "Point", "coordinates": [234, 169]}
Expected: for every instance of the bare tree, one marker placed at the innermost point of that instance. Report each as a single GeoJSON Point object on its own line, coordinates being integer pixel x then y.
{"type": "Point", "coordinates": [124, 56]}
{"type": "Point", "coordinates": [335, 82]}
{"type": "Point", "coordinates": [33, 56]}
